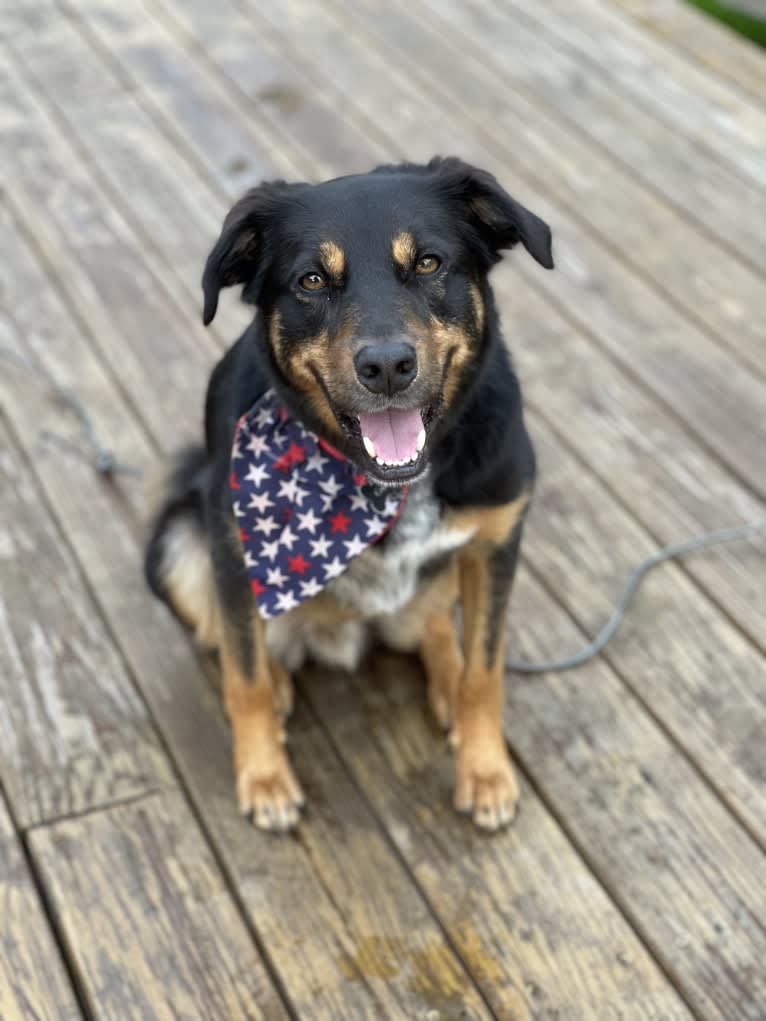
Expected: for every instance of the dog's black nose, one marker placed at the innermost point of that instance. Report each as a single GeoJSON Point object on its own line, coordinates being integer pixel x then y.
{"type": "Point", "coordinates": [387, 367]}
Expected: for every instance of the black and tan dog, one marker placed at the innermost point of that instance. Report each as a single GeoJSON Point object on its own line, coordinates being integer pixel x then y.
{"type": "Point", "coordinates": [376, 326]}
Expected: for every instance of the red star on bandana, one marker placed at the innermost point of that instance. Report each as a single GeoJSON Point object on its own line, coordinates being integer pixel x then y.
{"type": "Point", "coordinates": [304, 510]}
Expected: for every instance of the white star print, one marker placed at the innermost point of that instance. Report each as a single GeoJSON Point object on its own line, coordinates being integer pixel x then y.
{"type": "Point", "coordinates": [250, 560]}
{"type": "Point", "coordinates": [316, 463]}
{"type": "Point", "coordinates": [286, 601]}
{"type": "Point", "coordinates": [264, 416]}
{"type": "Point", "coordinates": [392, 506]}
{"type": "Point", "coordinates": [375, 526]}
{"type": "Point", "coordinates": [270, 549]}
{"type": "Point", "coordinates": [355, 546]}
{"type": "Point", "coordinates": [320, 547]}
{"type": "Point", "coordinates": [287, 538]}
{"type": "Point", "coordinates": [266, 525]}
{"type": "Point", "coordinates": [292, 491]}
{"type": "Point", "coordinates": [330, 486]}
{"type": "Point", "coordinates": [359, 500]}
{"type": "Point", "coordinates": [274, 576]}
{"type": "Point", "coordinates": [310, 588]}
{"type": "Point", "coordinates": [257, 444]}
{"type": "Point", "coordinates": [236, 453]}
{"type": "Point", "coordinates": [333, 569]}
{"type": "Point", "coordinates": [256, 473]}
{"type": "Point", "coordinates": [309, 521]}
{"type": "Point", "coordinates": [279, 438]}
{"type": "Point", "coordinates": [260, 502]}
{"type": "Point", "coordinates": [238, 511]}
{"type": "Point", "coordinates": [327, 501]}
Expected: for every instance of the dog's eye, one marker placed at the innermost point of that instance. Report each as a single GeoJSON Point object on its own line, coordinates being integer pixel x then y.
{"type": "Point", "coordinates": [313, 282]}
{"type": "Point", "coordinates": [427, 264]}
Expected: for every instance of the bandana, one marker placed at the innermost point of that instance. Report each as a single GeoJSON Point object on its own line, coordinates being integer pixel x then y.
{"type": "Point", "coordinates": [304, 510]}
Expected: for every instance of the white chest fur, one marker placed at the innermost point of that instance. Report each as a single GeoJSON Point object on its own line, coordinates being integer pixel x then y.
{"type": "Point", "coordinates": [384, 579]}
{"type": "Point", "coordinates": [376, 585]}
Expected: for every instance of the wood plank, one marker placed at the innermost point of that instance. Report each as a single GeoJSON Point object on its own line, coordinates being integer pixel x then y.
{"type": "Point", "coordinates": [720, 49]}
{"type": "Point", "coordinates": [675, 651]}
{"type": "Point", "coordinates": [691, 101]}
{"type": "Point", "coordinates": [33, 981]}
{"type": "Point", "coordinates": [114, 283]}
{"type": "Point", "coordinates": [352, 898]}
{"type": "Point", "coordinates": [534, 928]}
{"type": "Point", "coordinates": [686, 876]}
{"type": "Point", "coordinates": [509, 46]}
{"type": "Point", "coordinates": [73, 732]}
{"type": "Point", "coordinates": [150, 925]}
{"type": "Point", "coordinates": [639, 451]}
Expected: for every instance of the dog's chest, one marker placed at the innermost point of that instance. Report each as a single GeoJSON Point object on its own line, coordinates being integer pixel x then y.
{"type": "Point", "coordinates": [386, 576]}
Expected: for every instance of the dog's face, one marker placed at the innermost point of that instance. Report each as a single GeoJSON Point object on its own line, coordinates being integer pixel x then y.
{"type": "Point", "coordinates": [374, 297]}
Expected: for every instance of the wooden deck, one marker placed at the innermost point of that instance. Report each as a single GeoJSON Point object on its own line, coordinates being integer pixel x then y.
{"type": "Point", "coordinates": [633, 883]}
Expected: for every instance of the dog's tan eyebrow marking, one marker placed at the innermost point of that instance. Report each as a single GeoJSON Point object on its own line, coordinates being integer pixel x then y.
{"type": "Point", "coordinates": [333, 259]}
{"type": "Point", "coordinates": [403, 249]}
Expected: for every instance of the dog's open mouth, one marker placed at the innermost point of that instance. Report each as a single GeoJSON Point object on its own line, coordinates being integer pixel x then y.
{"type": "Point", "coordinates": [392, 440]}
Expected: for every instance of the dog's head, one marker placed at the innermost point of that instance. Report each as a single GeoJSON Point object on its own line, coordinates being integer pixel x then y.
{"type": "Point", "coordinates": [374, 297]}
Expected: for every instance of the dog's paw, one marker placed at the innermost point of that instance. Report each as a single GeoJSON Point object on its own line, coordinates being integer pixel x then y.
{"type": "Point", "coordinates": [486, 785]}
{"type": "Point", "coordinates": [268, 791]}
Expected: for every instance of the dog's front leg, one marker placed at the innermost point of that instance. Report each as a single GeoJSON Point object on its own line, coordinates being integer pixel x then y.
{"type": "Point", "coordinates": [256, 690]}
{"type": "Point", "coordinates": [485, 782]}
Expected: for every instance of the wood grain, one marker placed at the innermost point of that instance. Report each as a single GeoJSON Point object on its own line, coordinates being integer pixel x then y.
{"type": "Point", "coordinates": [710, 44]}
{"type": "Point", "coordinates": [149, 923]}
{"type": "Point", "coordinates": [534, 927]}
{"type": "Point", "coordinates": [73, 733]}
{"type": "Point", "coordinates": [690, 101]}
{"type": "Point", "coordinates": [33, 982]}
{"type": "Point", "coordinates": [581, 110]}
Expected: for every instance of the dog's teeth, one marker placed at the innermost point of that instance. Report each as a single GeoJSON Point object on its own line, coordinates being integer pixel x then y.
{"type": "Point", "coordinates": [369, 446]}
{"type": "Point", "coordinates": [421, 440]}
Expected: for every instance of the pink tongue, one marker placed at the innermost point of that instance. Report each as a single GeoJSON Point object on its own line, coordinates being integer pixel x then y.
{"type": "Point", "coordinates": [394, 432]}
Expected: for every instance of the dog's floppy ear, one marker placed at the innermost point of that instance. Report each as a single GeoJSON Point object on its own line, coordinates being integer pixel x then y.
{"type": "Point", "coordinates": [239, 256]}
{"type": "Point", "coordinates": [499, 219]}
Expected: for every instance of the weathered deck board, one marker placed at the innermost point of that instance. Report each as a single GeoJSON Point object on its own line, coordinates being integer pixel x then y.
{"type": "Point", "coordinates": [148, 921]}
{"type": "Point", "coordinates": [529, 926]}
{"type": "Point", "coordinates": [33, 982]}
{"type": "Point", "coordinates": [717, 48]}
{"type": "Point", "coordinates": [509, 48]}
{"type": "Point", "coordinates": [73, 734]}
{"type": "Point", "coordinates": [690, 101]}
{"type": "Point", "coordinates": [127, 129]}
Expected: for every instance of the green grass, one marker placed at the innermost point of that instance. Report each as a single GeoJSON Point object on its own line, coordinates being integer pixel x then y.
{"type": "Point", "coordinates": [748, 25]}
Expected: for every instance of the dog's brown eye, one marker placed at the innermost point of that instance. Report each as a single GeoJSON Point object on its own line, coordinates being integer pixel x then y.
{"type": "Point", "coordinates": [313, 282]}
{"type": "Point", "coordinates": [427, 264]}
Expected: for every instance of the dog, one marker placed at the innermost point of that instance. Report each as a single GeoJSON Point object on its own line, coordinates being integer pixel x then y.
{"type": "Point", "coordinates": [374, 372]}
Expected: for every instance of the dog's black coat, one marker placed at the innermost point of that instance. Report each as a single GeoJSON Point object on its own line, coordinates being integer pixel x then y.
{"type": "Point", "coordinates": [481, 454]}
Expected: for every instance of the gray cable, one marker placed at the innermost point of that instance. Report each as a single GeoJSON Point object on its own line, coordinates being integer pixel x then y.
{"type": "Point", "coordinates": [672, 552]}
{"type": "Point", "coordinates": [103, 459]}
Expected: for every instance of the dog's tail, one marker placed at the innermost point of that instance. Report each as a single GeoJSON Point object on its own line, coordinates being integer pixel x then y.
{"type": "Point", "coordinates": [178, 565]}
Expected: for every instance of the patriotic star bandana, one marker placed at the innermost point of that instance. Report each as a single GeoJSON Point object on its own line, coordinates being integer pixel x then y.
{"type": "Point", "coordinates": [304, 510]}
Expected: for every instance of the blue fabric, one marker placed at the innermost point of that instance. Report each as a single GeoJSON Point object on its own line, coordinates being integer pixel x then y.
{"type": "Point", "coordinates": [304, 510]}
